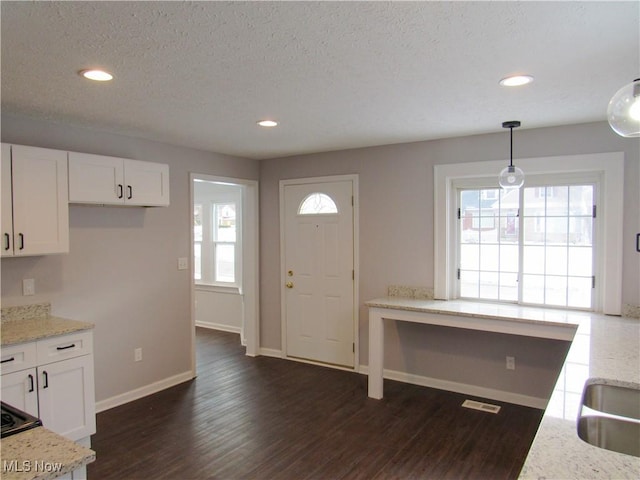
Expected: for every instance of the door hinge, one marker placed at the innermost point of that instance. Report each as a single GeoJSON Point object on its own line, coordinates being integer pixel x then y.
{"type": "Point", "coordinates": [593, 282]}
{"type": "Point", "coordinates": [352, 201]}
{"type": "Point", "coordinates": [353, 345]}
{"type": "Point", "coordinates": [353, 274]}
{"type": "Point", "coordinates": [594, 211]}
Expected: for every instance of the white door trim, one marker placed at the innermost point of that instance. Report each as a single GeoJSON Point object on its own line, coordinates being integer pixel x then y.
{"type": "Point", "coordinates": [250, 264]}
{"type": "Point", "coordinates": [353, 178]}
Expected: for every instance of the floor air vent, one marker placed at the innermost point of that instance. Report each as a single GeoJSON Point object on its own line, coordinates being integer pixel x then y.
{"type": "Point", "coordinates": [485, 407]}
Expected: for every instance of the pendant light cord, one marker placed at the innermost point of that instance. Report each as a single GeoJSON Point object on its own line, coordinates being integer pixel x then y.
{"type": "Point", "coordinates": [511, 125]}
{"type": "Point", "coordinates": [511, 147]}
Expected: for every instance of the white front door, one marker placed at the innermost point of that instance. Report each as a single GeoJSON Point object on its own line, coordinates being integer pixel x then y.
{"type": "Point", "coordinates": [319, 308]}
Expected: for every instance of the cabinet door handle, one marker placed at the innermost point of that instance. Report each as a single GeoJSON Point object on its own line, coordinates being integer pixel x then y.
{"type": "Point", "coordinates": [45, 377]}
{"type": "Point", "coordinates": [7, 241]}
{"type": "Point", "coordinates": [130, 192]}
{"type": "Point", "coordinates": [7, 360]}
{"type": "Point", "coordinates": [31, 384]}
{"type": "Point", "coordinates": [120, 191]}
{"type": "Point", "coordinates": [66, 347]}
{"type": "Point", "coordinates": [638, 242]}
{"type": "Point", "coordinates": [21, 235]}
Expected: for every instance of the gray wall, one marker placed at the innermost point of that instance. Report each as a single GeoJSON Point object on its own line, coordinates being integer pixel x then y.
{"type": "Point", "coordinates": [396, 187]}
{"type": "Point", "coordinates": [121, 272]}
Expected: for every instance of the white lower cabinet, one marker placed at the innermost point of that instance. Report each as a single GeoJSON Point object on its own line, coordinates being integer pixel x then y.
{"type": "Point", "coordinates": [19, 390]}
{"type": "Point", "coordinates": [59, 389]}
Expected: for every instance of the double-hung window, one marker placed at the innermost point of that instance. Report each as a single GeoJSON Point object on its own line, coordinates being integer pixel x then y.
{"type": "Point", "coordinates": [224, 241]}
{"type": "Point", "coordinates": [535, 245]}
{"type": "Point", "coordinates": [217, 234]}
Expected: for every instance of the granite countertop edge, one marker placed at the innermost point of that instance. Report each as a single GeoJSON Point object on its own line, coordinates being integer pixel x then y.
{"type": "Point", "coordinates": [472, 310]}
{"type": "Point", "coordinates": [27, 330]}
{"type": "Point", "coordinates": [56, 455]}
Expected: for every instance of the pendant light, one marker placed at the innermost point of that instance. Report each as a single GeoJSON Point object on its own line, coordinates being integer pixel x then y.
{"type": "Point", "coordinates": [511, 176]}
{"type": "Point", "coordinates": [623, 111]}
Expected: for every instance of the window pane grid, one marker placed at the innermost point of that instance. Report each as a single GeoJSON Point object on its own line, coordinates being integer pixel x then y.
{"type": "Point", "coordinates": [488, 253]}
{"type": "Point", "coordinates": [554, 238]}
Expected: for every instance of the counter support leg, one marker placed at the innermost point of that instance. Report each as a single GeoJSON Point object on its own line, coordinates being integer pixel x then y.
{"type": "Point", "coordinates": [376, 353]}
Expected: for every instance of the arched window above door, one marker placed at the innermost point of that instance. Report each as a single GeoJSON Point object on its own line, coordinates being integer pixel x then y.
{"type": "Point", "coordinates": [317, 204]}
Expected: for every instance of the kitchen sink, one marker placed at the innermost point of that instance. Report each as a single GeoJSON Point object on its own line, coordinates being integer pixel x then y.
{"type": "Point", "coordinates": [612, 399]}
{"type": "Point", "coordinates": [614, 434]}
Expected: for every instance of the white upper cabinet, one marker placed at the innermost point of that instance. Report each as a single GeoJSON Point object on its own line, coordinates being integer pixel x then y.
{"type": "Point", "coordinates": [35, 213]}
{"type": "Point", "coordinates": [98, 179]}
{"type": "Point", "coordinates": [7, 201]}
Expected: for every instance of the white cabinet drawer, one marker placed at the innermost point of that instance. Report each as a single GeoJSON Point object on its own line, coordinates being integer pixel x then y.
{"type": "Point", "coordinates": [62, 347]}
{"type": "Point", "coordinates": [18, 357]}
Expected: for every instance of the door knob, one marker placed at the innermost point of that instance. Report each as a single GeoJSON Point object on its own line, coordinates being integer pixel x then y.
{"type": "Point", "coordinates": [289, 284]}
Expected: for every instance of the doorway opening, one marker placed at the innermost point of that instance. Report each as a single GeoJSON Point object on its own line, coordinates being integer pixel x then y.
{"type": "Point", "coordinates": [224, 253]}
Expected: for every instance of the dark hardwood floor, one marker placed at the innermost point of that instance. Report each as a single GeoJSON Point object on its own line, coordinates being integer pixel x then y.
{"type": "Point", "coordinates": [268, 418]}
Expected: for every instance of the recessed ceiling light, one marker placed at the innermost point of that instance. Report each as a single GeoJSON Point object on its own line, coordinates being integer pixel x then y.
{"type": "Point", "coordinates": [516, 80]}
{"type": "Point", "coordinates": [267, 123]}
{"type": "Point", "coordinates": [98, 75]}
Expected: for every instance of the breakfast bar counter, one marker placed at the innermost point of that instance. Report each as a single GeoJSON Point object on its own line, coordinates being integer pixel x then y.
{"type": "Point", "coordinates": [603, 348]}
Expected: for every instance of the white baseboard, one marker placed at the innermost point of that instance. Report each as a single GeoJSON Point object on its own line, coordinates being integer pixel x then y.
{"type": "Point", "coordinates": [270, 352]}
{"type": "Point", "coordinates": [219, 326]}
{"type": "Point", "coordinates": [467, 389]}
{"type": "Point", "coordinates": [132, 395]}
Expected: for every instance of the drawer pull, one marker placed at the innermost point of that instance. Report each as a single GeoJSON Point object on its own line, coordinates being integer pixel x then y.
{"type": "Point", "coordinates": [67, 347]}
{"type": "Point", "coordinates": [7, 241]}
{"type": "Point", "coordinates": [7, 360]}
{"type": "Point", "coordinates": [31, 384]}
{"type": "Point", "coordinates": [45, 377]}
{"type": "Point", "coordinates": [130, 190]}
{"type": "Point", "coordinates": [21, 236]}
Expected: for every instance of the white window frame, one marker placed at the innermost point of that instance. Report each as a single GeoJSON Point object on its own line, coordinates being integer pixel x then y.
{"type": "Point", "coordinates": [608, 166]}
{"type": "Point", "coordinates": [209, 243]}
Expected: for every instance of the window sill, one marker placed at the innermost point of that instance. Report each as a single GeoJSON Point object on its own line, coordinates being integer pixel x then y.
{"type": "Point", "coordinates": [231, 290]}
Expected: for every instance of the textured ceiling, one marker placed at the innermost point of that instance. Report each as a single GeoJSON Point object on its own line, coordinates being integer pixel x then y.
{"type": "Point", "coordinates": [335, 74]}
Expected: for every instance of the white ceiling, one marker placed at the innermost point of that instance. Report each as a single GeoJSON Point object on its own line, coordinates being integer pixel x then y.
{"type": "Point", "coordinates": [335, 75]}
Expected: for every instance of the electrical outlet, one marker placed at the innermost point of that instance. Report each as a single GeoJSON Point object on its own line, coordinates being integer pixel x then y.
{"type": "Point", "coordinates": [183, 263]}
{"type": "Point", "coordinates": [137, 354]}
{"type": "Point", "coordinates": [28, 286]}
{"type": "Point", "coordinates": [511, 363]}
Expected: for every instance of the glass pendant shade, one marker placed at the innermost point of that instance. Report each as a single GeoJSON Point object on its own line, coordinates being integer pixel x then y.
{"type": "Point", "coordinates": [623, 111]}
{"type": "Point", "coordinates": [511, 177]}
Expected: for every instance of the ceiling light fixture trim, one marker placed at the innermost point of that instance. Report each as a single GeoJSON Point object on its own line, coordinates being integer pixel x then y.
{"type": "Point", "coordinates": [96, 74]}
{"type": "Point", "coordinates": [516, 80]}
{"type": "Point", "coordinates": [511, 177]}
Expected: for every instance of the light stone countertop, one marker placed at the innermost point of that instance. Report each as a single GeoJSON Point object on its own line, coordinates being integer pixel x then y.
{"type": "Point", "coordinates": [32, 322]}
{"type": "Point", "coordinates": [604, 348]}
{"type": "Point", "coordinates": [39, 453]}
{"type": "Point", "coordinates": [28, 330]}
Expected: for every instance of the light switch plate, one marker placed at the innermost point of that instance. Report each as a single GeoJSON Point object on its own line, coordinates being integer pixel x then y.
{"type": "Point", "coordinates": [183, 263]}
{"type": "Point", "coordinates": [28, 286]}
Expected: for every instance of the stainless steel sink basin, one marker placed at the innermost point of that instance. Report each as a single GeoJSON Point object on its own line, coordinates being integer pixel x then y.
{"type": "Point", "coordinates": [612, 399]}
{"type": "Point", "coordinates": [611, 433]}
